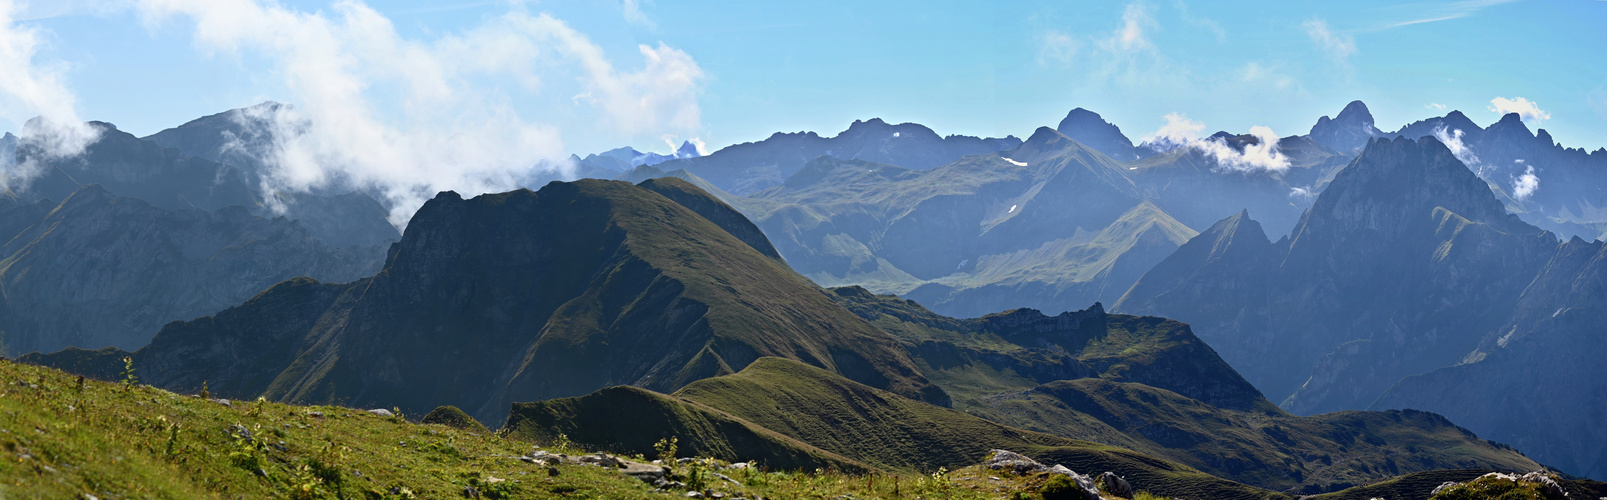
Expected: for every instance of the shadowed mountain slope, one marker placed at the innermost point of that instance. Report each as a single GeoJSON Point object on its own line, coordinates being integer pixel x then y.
{"type": "Point", "coordinates": [1147, 384]}
{"type": "Point", "coordinates": [1407, 285]}
{"type": "Point", "coordinates": [100, 270]}
{"type": "Point", "coordinates": [525, 296]}
{"type": "Point", "coordinates": [166, 175]}
{"type": "Point", "coordinates": [1403, 263]}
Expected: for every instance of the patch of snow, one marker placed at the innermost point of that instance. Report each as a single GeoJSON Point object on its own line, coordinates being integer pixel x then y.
{"type": "Point", "coordinates": [1016, 163]}
{"type": "Point", "coordinates": [1012, 209]}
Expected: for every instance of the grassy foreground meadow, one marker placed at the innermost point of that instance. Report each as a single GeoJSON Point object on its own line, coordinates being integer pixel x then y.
{"type": "Point", "coordinates": [67, 437]}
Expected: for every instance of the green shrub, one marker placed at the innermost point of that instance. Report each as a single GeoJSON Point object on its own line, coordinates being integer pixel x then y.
{"type": "Point", "coordinates": [1060, 487]}
{"type": "Point", "coordinates": [455, 418]}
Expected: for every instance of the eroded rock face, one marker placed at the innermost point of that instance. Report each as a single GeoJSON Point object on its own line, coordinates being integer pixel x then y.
{"type": "Point", "coordinates": [1348, 131]}
{"type": "Point", "coordinates": [1407, 252]}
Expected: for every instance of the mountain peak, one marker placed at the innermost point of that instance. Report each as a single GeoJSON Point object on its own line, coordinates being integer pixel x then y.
{"type": "Point", "coordinates": [1089, 128]}
{"type": "Point", "coordinates": [1512, 124]}
{"type": "Point", "coordinates": [687, 150]}
{"type": "Point", "coordinates": [1355, 110]}
{"type": "Point", "coordinates": [1347, 131]}
{"type": "Point", "coordinates": [1394, 185]}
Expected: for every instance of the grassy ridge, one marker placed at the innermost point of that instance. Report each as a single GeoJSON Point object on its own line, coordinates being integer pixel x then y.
{"type": "Point", "coordinates": [891, 431]}
{"type": "Point", "coordinates": [60, 438]}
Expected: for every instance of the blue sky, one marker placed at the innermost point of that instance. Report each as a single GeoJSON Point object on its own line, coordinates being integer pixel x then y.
{"type": "Point", "coordinates": [742, 70]}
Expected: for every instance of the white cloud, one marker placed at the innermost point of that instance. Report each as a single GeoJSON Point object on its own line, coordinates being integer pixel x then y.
{"type": "Point", "coordinates": [1338, 46]}
{"type": "Point", "coordinates": [1262, 156]}
{"type": "Point", "coordinates": [1435, 106]}
{"type": "Point", "coordinates": [1525, 185]}
{"type": "Point", "coordinates": [30, 89]}
{"type": "Point", "coordinates": [632, 9]}
{"type": "Point", "coordinates": [409, 117]}
{"type": "Point", "coordinates": [1130, 36]}
{"type": "Point", "coordinates": [1452, 139]}
{"type": "Point", "coordinates": [1528, 110]}
{"type": "Point", "coordinates": [1254, 72]}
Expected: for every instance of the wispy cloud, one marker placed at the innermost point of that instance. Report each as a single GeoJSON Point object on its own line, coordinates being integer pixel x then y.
{"type": "Point", "coordinates": [1201, 22]}
{"type": "Point", "coordinates": [1254, 72]}
{"type": "Point", "coordinates": [1131, 35]}
{"type": "Point", "coordinates": [632, 10]}
{"type": "Point", "coordinates": [1435, 106]}
{"type": "Point", "coordinates": [1528, 110]}
{"type": "Point", "coordinates": [1452, 139]}
{"type": "Point", "coordinates": [1338, 46]}
{"type": "Point", "coordinates": [1057, 47]}
{"type": "Point", "coordinates": [1436, 12]}
{"type": "Point", "coordinates": [409, 117]}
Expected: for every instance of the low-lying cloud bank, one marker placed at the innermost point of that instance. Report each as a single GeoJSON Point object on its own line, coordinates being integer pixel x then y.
{"type": "Point", "coordinates": [404, 117]}
{"type": "Point", "coordinates": [1260, 156]}
{"type": "Point", "coordinates": [407, 118]}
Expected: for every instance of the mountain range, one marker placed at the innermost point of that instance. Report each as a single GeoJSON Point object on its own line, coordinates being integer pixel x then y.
{"type": "Point", "coordinates": [663, 287]}
{"type": "Point", "coordinates": [1384, 277]}
{"type": "Point", "coordinates": [1406, 263]}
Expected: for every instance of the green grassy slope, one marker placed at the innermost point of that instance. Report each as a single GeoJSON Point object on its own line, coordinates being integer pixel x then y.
{"type": "Point", "coordinates": [626, 419]}
{"type": "Point", "coordinates": [896, 433]}
{"type": "Point", "coordinates": [1306, 455]}
{"type": "Point", "coordinates": [1149, 385]}
{"type": "Point", "coordinates": [60, 439]}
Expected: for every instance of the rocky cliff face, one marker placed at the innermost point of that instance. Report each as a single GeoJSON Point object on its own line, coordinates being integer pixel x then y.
{"type": "Point", "coordinates": [100, 270]}
{"type": "Point", "coordinates": [1403, 262]}
{"type": "Point", "coordinates": [527, 296]}
{"type": "Point", "coordinates": [1563, 189]}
